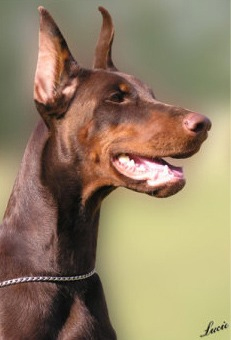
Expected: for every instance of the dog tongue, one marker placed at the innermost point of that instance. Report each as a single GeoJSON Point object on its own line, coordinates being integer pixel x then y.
{"type": "Point", "coordinates": [154, 171]}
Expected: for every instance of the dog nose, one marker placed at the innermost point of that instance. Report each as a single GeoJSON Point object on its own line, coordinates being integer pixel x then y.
{"type": "Point", "coordinates": [196, 123]}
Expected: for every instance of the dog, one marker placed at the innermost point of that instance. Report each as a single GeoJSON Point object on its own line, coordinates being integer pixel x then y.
{"type": "Point", "coordinates": [100, 129]}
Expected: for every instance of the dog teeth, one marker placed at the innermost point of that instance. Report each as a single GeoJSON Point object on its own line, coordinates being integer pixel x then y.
{"type": "Point", "coordinates": [166, 170]}
{"type": "Point", "coordinates": [124, 159]}
{"type": "Point", "coordinates": [142, 167]}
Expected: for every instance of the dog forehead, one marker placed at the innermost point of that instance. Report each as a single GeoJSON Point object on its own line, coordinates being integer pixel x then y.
{"type": "Point", "coordinates": [107, 78]}
{"type": "Point", "coordinates": [124, 82]}
{"type": "Point", "coordinates": [142, 88]}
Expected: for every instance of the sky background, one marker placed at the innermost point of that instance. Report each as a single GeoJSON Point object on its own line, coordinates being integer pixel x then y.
{"type": "Point", "coordinates": [164, 263]}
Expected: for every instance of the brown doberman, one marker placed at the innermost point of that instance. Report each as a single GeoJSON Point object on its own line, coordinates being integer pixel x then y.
{"type": "Point", "coordinates": [100, 129]}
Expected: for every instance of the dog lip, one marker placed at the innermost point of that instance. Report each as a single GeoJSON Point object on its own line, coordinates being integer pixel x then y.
{"type": "Point", "coordinates": [183, 155]}
{"type": "Point", "coordinates": [158, 157]}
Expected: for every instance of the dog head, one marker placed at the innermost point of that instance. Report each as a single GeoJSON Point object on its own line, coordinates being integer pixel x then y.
{"type": "Point", "coordinates": [107, 126]}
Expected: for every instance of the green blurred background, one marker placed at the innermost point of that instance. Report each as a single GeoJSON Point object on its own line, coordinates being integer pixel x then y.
{"type": "Point", "coordinates": [164, 263]}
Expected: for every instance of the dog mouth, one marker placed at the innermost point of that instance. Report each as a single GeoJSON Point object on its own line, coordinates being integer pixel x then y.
{"type": "Point", "coordinates": [155, 172]}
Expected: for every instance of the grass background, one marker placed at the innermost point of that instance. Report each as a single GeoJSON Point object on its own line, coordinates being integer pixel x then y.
{"type": "Point", "coordinates": [164, 263]}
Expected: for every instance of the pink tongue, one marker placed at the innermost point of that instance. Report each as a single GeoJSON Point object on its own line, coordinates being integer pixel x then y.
{"type": "Point", "coordinates": [159, 164]}
{"type": "Point", "coordinates": [148, 163]}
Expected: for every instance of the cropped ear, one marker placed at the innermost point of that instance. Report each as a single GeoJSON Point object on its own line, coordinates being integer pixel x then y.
{"type": "Point", "coordinates": [56, 74]}
{"type": "Point", "coordinates": [103, 58]}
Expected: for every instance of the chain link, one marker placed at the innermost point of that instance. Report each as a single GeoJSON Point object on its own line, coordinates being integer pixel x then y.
{"type": "Point", "coordinates": [51, 279]}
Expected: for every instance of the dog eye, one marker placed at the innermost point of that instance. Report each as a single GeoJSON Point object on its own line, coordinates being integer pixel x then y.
{"type": "Point", "coordinates": [117, 97]}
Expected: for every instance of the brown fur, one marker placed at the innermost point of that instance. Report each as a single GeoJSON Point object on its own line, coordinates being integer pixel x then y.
{"type": "Point", "coordinates": [50, 227]}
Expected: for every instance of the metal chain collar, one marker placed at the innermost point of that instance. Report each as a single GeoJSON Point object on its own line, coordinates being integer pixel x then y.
{"type": "Point", "coordinates": [51, 279]}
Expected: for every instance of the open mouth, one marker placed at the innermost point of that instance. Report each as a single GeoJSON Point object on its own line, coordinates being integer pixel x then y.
{"type": "Point", "coordinates": [154, 171]}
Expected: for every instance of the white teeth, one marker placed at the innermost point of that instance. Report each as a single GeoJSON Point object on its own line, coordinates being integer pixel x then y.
{"type": "Point", "coordinates": [166, 170]}
{"type": "Point", "coordinates": [124, 159]}
{"type": "Point", "coordinates": [142, 167]}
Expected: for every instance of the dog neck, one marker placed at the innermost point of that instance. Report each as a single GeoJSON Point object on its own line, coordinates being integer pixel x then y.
{"type": "Point", "coordinates": [46, 210]}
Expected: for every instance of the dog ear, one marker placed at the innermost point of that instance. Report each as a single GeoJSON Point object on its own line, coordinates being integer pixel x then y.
{"type": "Point", "coordinates": [56, 73]}
{"type": "Point", "coordinates": [103, 58]}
